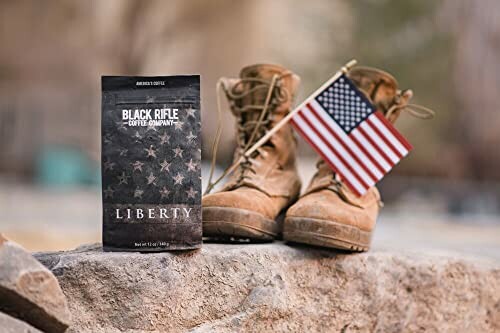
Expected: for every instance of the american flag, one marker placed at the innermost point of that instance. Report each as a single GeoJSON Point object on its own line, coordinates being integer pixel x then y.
{"type": "Point", "coordinates": [355, 139]}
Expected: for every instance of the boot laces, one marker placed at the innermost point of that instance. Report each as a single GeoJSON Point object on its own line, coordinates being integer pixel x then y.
{"type": "Point", "coordinates": [415, 110]}
{"type": "Point", "coordinates": [250, 129]}
{"type": "Point", "coordinates": [400, 100]}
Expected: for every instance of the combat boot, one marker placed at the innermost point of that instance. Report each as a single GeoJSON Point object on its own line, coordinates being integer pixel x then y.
{"type": "Point", "coordinates": [328, 214]}
{"type": "Point", "coordinates": [266, 183]}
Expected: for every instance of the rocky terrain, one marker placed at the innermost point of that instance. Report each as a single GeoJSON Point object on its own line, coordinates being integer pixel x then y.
{"type": "Point", "coordinates": [276, 288]}
{"type": "Point", "coordinates": [246, 288]}
{"type": "Point", "coordinates": [30, 297]}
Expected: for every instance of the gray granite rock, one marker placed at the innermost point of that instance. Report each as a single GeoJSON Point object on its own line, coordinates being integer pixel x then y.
{"type": "Point", "coordinates": [277, 288]}
{"type": "Point", "coordinates": [10, 324]}
{"type": "Point", "coordinates": [29, 291]}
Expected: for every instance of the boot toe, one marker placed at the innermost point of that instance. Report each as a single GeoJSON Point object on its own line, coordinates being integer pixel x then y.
{"type": "Point", "coordinates": [239, 214]}
{"type": "Point", "coordinates": [323, 219]}
{"type": "Point", "coordinates": [328, 207]}
{"type": "Point", "coordinates": [249, 199]}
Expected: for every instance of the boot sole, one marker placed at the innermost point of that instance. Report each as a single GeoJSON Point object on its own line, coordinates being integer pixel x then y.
{"type": "Point", "coordinates": [228, 224]}
{"type": "Point", "coordinates": [326, 234]}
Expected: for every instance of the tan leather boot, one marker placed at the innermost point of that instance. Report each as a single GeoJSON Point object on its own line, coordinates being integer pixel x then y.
{"type": "Point", "coordinates": [328, 213]}
{"type": "Point", "coordinates": [267, 183]}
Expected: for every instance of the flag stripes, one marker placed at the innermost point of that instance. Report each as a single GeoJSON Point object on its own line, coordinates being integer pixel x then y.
{"type": "Point", "coordinates": [327, 154]}
{"type": "Point", "coordinates": [361, 157]}
{"type": "Point", "coordinates": [334, 137]}
{"type": "Point", "coordinates": [344, 158]}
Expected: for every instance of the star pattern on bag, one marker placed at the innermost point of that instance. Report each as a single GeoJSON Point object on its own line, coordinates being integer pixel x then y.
{"type": "Point", "coordinates": [165, 166]}
{"type": "Point", "coordinates": [191, 166]}
{"type": "Point", "coordinates": [151, 151]}
{"type": "Point", "coordinates": [190, 112]}
{"type": "Point", "coordinates": [153, 164]}
{"type": "Point", "coordinates": [123, 179]}
{"type": "Point", "coordinates": [178, 179]}
{"type": "Point", "coordinates": [191, 193]}
{"type": "Point", "coordinates": [178, 125]}
{"type": "Point", "coordinates": [151, 178]}
{"type": "Point", "coordinates": [178, 151]}
{"type": "Point", "coordinates": [108, 165]}
{"type": "Point", "coordinates": [190, 137]}
{"type": "Point", "coordinates": [108, 192]}
{"type": "Point", "coordinates": [138, 193]}
{"type": "Point", "coordinates": [137, 165]}
{"type": "Point", "coordinates": [164, 138]}
{"type": "Point", "coordinates": [164, 192]}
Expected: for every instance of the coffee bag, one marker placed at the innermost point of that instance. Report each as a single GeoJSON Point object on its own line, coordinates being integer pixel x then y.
{"type": "Point", "coordinates": [151, 151]}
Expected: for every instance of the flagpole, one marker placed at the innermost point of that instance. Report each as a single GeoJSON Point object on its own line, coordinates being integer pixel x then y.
{"type": "Point", "coordinates": [289, 116]}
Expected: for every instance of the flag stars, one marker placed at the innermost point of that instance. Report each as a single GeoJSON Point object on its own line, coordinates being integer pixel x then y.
{"type": "Point", "coordinates": [151, 152]}
{"type": "Point", "coordinates": [191, 193]}
{"type": "Point", "coordinates": [345, 106]}
{"type": "Point", "coordinates": [178, 179]}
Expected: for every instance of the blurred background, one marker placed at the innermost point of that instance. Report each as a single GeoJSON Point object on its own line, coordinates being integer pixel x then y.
{"type": "Point", "coordinates": [445, 195]}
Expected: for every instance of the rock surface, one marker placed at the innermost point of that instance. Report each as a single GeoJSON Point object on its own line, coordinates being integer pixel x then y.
{"type": "Point", "coordinates": [10, 324]}
{"type": "Point", "coordinates": [276, 288]}
{"type": "Point", "coordinates": [29, 291]}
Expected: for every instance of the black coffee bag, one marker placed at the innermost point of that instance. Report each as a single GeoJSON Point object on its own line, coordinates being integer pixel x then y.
{"type": "Point", "coordinates": [151, 151]}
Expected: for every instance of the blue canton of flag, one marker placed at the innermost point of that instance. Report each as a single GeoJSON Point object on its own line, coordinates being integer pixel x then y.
{"type": "Point", "coordinates": [346, 106]}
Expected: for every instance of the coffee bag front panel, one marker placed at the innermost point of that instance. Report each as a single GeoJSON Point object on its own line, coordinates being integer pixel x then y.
{"type": "Point", "coordinates": [151, 154]}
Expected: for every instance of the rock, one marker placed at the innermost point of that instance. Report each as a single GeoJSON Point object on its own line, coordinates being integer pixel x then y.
{"type": "Point", "coordinates": [10, 324]}
{"type": "Point", "coordinates": [29, 291]}
{"type": "Point", "coordinates": [276, 287]}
